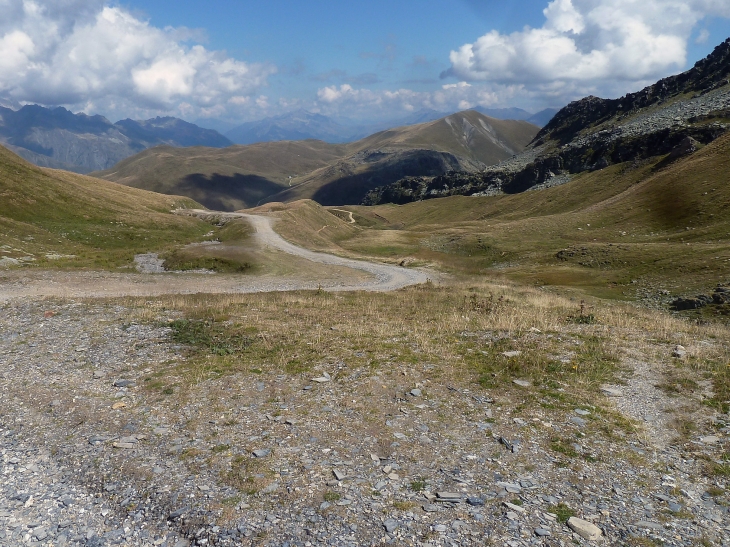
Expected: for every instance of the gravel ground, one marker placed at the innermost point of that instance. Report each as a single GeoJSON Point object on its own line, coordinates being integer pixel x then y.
{"type": "Point", "coordinates": [347, 456]}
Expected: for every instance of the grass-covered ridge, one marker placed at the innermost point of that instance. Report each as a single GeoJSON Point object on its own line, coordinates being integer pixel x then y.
{"type": "Point", "coordinates": [56, 218]}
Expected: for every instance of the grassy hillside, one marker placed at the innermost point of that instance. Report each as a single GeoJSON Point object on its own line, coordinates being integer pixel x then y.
{"type": "Point", "coordinates": [223, 179]}
{"type": "Point", "coordinates": [50, 217]}
{"type": "Point", "coordinates": [245, 176]}
{"type": "Point", "coordinates": [467, 134]}
{"type": "Point", "coordinates": [632, 230]}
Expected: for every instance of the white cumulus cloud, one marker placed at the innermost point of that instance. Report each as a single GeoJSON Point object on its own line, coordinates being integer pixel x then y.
{"type": "Point", "coordinates": [92, 56]}
{"type": "Point", "coordinates": [613, 46]}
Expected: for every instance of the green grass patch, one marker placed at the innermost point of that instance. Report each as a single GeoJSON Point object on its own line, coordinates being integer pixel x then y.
{"type": "Point", "coordinates": [210, 336]}
{"type": "Point", "coordinates": [562, 511]}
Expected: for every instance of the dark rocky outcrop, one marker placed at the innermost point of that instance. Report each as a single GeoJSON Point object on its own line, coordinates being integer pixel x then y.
{"type": "Point", "coordinates": [720, 297]}
{"type": "Point", "coordinates": [673, 117]}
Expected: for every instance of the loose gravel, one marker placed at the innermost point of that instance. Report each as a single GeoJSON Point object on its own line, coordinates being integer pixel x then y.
{"type": "Point", "coordinates": [346, 456]}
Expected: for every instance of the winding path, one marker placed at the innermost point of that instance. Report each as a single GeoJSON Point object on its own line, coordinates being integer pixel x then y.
{"type": "Point", "coordinates": [92, 284]}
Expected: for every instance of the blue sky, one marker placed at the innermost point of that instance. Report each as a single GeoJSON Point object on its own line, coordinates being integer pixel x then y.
{"type": "Point", "coordinates": [237, 61]}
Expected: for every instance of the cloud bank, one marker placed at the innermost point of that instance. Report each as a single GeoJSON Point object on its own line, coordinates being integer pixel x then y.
{"type": "Point", "coordinates": [610, 45]}
{"type": "Point", "coordinates": [88, 55]}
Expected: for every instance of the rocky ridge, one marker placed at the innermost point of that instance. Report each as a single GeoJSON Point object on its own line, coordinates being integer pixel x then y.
{"type": "Point", "coordinates": [59, 139]}
{"type": "Point", "coordinates": [594, 133]}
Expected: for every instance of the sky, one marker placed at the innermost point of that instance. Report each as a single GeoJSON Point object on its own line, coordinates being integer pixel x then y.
{"type": "Point", "coordinates": [242, 60]}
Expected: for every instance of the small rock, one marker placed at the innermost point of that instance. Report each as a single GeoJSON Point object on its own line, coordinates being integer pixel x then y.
{"type": "Point", "coordinates": [581, 412]}
{"type": "Point", "coordinates": [390, 525]}
{"type": "Point", "coordinates": [452, 497]}
{"type": "Point", "coordinates": [178, 513]}
{"type": "Point", "coordinates": [649, 524]}
{"type": "Point", "coordinates": [542, 532]}
{"type": "Point", "coordinates": [416, 392]}
{"type": "Point", "coordinates": [611, 392]}
{"type": "Point", "coordinates": [125, 445]}
{"type": "Point", "coordinates": [584, 529]}
{"type": "Point", "coordinates": [679, 352]}
{"type": "Point", "coordinates": [124, 383]}
{"type": "Point", "coordinates": [430, 508]}
{"type": "Point", "coordinates": [514, 507]}
{"type": "Point", "coordinates": [522, 383]}
{"type": "Point", "coordinates": [339, 475]}
{"type": "Point", "coordinates": [475, 501]}
{"type": "Point", "coordinates": [510, 354]}
{"type": "Point", "coordinates": [580, 422]}
{"type": "Point", "coordinates": [710, 439]}
{"type": "Point", "coordinates": [262, 452]}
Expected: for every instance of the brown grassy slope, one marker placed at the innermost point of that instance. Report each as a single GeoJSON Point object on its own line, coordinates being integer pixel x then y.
{"type": "Point", "coordinates": [468, 134]}
{"type": "Point", "coordinates": [466, 141]}
{"type": "Point", "coordinates": [223, 179]}
{"type": "Point", "coordinates": [244, 176]}
{"type": "Point", "coordinates": [46, 211]}
{"type": "Point", "coordinates": [668, 227]}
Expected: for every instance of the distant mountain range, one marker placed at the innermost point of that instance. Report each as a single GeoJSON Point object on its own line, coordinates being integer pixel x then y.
{"type": "Point", "coordinates": [301, 125]}
{"type": "Point", "coordinates": [333, 174]}
{"type": "Point", "coordinates": [77, 142]}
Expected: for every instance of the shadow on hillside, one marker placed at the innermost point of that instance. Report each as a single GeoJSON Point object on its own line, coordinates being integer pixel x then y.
{"type": "Point", "coordinates": [227, 193]}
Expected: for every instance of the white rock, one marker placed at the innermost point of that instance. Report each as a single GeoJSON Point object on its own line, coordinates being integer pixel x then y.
{"type": "Point", "coordinates": [585, 529]}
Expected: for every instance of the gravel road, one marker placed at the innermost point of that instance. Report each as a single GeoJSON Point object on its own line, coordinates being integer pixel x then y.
{"type": "Point", "coordinates": [24, 282]}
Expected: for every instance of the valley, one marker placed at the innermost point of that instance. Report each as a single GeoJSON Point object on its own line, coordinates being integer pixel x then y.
{"type": "Point", "coordinates": [523, 340]}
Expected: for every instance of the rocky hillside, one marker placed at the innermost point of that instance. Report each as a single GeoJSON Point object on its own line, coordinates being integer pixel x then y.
{"type": "Point", "coordinates": [245, 176]}
{"type": "Point", "coordinates": [81, 143]}
{"type": "Point", "coordinates": [675, 116]}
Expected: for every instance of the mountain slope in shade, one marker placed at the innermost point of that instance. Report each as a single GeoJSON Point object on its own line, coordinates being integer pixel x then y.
{"type": "Point", "coordinates": [244, 176]}
{"type": "Point", "coordinates": [78, 142]}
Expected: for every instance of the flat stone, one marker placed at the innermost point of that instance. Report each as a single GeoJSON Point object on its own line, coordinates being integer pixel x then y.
{"type": "Point", "coordinates": [416, 392]}
{"type": "Point", "coordinates": [440, 528]}
{"type": "Point", "coordinates": [430, 508]}
{"type": "Point", "coordinates": [710, 439]}
{"type": "Point", "coordinates": [514, 507]}
{"type": "Point", "coordinates": [390, 525]}
{"type": "Point", "coordinates": [262, 452]}
{"type": "Point", "coordinates": [475, 501]}
{"type": "Point", "coordinates": [511, 354]}
{"type": "Point", "coordinates": [380, 485]}
{"type": "Point", "coordinates": [584, 529]}
{"type": "Point", "coordinates": [160, 431]}
{"type": "Point", "coordinates": [580, 422]}
{"type": "Point", "coordinates": [511, 515]}
{"type": "Point", "coordinates": [542, 532]}
{"type": "Point", "coordinates": [649, 524]}
{"type": "Point", "coordinates": [611, 392]}
{"type": "Point", "coordinates": [97, 439]}
{"type": "Point", "coordinates": [124, 383]}
{"type": "Point", "coordinates": [339, 475]}
{"type": "Point", "coordinates": [581, 412]}
{"type": "Point", "coordinates": [125, 445]}
{"type": "Point", "coordinates": [178, 513]}
{"type": "Point", "coordinates": [453, 497]}
{"type": "Point", "coordinates": [522, 383]}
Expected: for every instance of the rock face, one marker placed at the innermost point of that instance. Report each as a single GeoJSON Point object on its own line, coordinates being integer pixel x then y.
{"type": "Point", "coordinates": [675, 116]}
{"type": "Point", "coordinates": [60, 139]}
{"type": "Point", "coordinates": [720, 298]}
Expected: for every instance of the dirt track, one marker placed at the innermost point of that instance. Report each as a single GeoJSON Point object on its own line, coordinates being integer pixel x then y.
{"type": "Point", "coordinates": [76, 284]}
